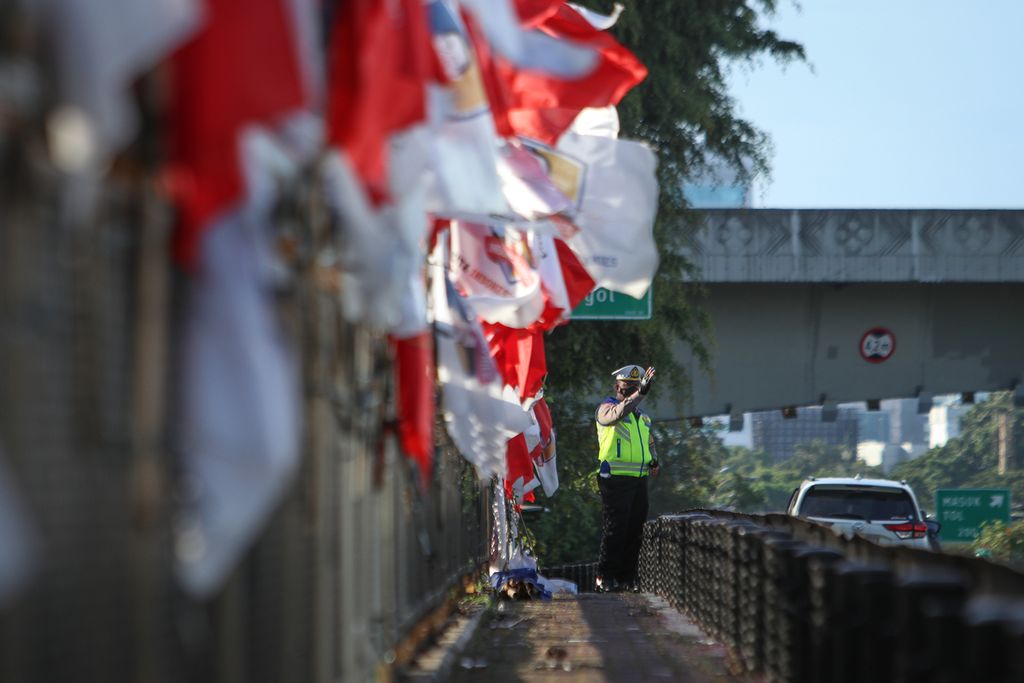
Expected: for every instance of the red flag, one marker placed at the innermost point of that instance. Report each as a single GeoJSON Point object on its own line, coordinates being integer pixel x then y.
{"type": "Point", "coordinates": [541, 106]}
{"type": "Point", "coordinates": [380, 57]}
{"type": "Point", "coordinates": [519, 355]}
{"type": "Point", "coordinates": [241, 68]}
{"type": "Point", "coordinates": [414, 360]}
{"type": "Point", "coordinates": [532, 13]}
{"type": "Point", "coordinates": [520, 466]}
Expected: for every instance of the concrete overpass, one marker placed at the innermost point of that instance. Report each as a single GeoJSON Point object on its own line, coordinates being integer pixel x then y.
{"type": "Point", "coordinates": [814, 307]}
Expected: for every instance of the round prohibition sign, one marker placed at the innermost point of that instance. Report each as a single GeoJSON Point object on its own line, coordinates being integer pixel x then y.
{"type": "Point", "coordinates": [877, 345]}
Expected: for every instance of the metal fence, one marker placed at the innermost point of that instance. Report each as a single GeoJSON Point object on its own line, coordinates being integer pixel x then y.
{"type": "Point", "coordinates": [798, 603]}
{"type": "Point", "coordinates": [356, 561]}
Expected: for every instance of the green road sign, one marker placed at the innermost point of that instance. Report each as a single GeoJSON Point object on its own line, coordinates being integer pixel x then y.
{"type": "Point", "coordinates": [603, 304]}
{"type": "Point", "coordinates": [963, 511]}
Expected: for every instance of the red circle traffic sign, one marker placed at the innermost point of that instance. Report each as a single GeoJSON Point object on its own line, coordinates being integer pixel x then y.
{"type": "Point", "coordinates": [877, 345]}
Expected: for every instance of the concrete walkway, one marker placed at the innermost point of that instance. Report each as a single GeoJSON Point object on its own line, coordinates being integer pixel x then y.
{"type": "Point", "coordinates": [590, 637]}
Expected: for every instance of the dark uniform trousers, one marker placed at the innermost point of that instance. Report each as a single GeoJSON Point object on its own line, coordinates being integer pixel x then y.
{"type": "Point", "coordinates": [624, 500]}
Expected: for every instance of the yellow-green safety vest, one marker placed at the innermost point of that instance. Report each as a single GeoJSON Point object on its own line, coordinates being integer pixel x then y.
{"type": "Point", "coordinates": [625, 445]}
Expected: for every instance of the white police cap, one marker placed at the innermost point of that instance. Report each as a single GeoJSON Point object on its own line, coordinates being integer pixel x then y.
{"type": "Point", "coordinates": [629, 373]}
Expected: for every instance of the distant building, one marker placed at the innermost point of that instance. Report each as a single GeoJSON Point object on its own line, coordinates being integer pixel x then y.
{"type": "Point", "coordinates": [779, 436]}
{"type": "Point", "coordinates": [873, 426]}
{"type": "Point", "coordinates": [906, 425]}
{"type": "Point", "coordinates": [886, 455]}
{"type": "Point", "coordinates": [944, 423]}
{"type": "Point", "coordinates": [718, 187]}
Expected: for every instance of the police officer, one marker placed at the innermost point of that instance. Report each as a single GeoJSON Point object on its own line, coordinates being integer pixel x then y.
{"type": "Point", "coordinates": [627, 457]}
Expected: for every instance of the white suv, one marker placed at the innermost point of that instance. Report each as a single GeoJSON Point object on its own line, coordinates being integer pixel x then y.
{"type": "Point", "coordinates": [880, 510]}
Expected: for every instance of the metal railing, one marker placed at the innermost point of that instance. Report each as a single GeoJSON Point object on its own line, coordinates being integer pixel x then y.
{"type": "Point", "coordinates": [793, 600]}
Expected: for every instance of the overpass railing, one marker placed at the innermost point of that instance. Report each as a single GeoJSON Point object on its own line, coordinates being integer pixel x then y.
{"type": "Point", "coordinates": [353, 565]}
{"type": "Point", "coordinates": [794, 601]}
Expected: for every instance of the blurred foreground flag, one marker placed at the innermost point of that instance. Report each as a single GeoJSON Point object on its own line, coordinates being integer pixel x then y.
{"type": "Point", "coordinates": [613, 185]}
{"type": "Point", "coordinates": [480, 412]}
{"type": "Point", "coordinates": [381, 247]}
{"type": "Point", "coordinates": [239, 413]}
{"type": "Point", "coordinates": [527, 47]}
{"type": "Point", "coordinates": [464, 143]}
{"type": "Point", "coordinates": [379, 62]}
{"type": "Point", "coordinates": [99, 48]}
{"type": "Point", "coordinates": [540, 105]}
{"type": "Point", "coordinates": [245, 66]}
{"type": "Point", "coordinates": [414, 368]}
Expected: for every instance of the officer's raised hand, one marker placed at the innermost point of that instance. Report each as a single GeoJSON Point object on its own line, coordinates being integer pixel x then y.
{"type": "Point", "coordinates": [647, 381]}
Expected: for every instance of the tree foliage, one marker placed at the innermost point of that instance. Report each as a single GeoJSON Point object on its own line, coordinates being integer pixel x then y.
{"type": "Point", "coordinates": [767, 484]}
{"type": "Point", "coordinates": [1002, 542]}
{"type": "Point", "coordinates": [683, 110]}
{"type": "Point", "coordinates": [970, 460]}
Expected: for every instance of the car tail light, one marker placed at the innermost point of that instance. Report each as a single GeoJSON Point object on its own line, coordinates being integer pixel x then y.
{"type": "Point", "coordinates": [906, 530]}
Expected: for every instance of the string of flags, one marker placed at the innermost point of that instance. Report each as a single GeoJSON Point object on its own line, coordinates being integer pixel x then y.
{"type": "Point", "coordinates": [469, 152]}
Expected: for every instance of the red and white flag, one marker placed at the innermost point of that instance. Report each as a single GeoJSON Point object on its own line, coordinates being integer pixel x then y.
{"type": "Point", "coordinates": [525, 46]}
{"type": "Point", "coordinates": [564, 278]}
{"type": "Point", "coordinates": [239, 413]}
{"type": "Point", "coordinates": [379, 63]}
{"type": "Point", "coordinates": [494, 268]}
{"type": "Point", "coordinates": [381, 248]}
{"type": "Point", "coordinates": [464, 141]}
{"type": "Point", "coordinates": [519, 480]}
{"type": "Point", "coordinates": [520, 358]}
{"type": "Point", "coordinates": [481, 413]}
{"type": "Point", "coordinates": [542, 106]}
{"type": "Point", "coordinates": [544, 453]}
{"type": "Point", "coordinates": [613, 186]}
{"type": "Point", "coordinates": [244, 67]}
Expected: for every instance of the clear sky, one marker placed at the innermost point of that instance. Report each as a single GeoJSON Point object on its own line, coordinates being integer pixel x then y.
{"type": "Point", "coordinates": [904, 104]}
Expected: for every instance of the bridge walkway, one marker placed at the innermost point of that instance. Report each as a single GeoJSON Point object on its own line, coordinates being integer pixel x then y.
{"type": "Point", "coordinates": [592, 638]}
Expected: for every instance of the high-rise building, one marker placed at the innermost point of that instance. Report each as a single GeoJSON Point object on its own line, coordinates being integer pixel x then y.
{"type": "Point", "coordinates": [944, 422]}
{"type": "Point", "coordinates": [873, 425]}
{"type": "Point", "coordinates": [779, 436]}
{"type": "Point", "coordinates": [718, 187]}
{"type": "Point", "coordinates": [907, 426]}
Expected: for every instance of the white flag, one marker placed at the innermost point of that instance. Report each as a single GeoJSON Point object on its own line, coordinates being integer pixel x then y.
{"type": "Point", "coordinates": [99, 47]}
{"type": "Point", "coordinates": [615, 190]}
{"type": "Point", "coordinates": [240, 398]}
{"type": "Point", "coordinates": [381, 248]}
{"type": "Point", "coordinates": [494, 268]}
{"type": "Point", "coordinates": [602, 22]}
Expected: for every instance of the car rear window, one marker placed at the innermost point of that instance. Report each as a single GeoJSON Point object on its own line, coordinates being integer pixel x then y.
{"type": "Point", "coordinates": [857, 503]}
